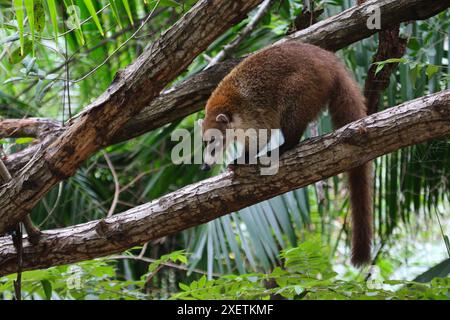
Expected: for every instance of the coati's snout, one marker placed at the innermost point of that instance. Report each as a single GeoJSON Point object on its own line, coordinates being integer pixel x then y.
{"type": "Point", "coordinates": [213, 129]}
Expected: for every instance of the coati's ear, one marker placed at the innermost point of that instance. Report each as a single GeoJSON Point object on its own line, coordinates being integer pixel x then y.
{"type": "Point", "coordinates": [222, 117]}
{"type": "Point", "coordinates": [200, 123]}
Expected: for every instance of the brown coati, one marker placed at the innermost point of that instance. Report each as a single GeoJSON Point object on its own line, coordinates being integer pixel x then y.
{"type": "Point", "coordinates": [286, 86]}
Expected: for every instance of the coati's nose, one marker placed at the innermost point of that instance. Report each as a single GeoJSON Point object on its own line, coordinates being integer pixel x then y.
{"type": "Point", "coordinates": [205, 167]}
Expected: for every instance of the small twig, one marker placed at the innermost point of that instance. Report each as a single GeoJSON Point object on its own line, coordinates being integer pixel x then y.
{"type": "Point", "coordinates": [28, 127]}
{"type": "Point", "coordinates": [229, 48]}
{"type": "Point", "coordinates": [4, 173]}
{"type": "Point", "coordinates": [144, 248]}
{"type": "Point", "coordinates": [18, 243]}
{"type": "Point", "coordinates": [112, 208]}
{"type": "Point", "coordinates": [55, 205]}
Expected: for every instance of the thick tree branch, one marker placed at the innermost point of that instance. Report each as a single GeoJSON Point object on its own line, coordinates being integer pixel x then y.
{"type": "Point", "coordinates": [140, 83]}
{"type": "Point", "coordinates": [314, 159]}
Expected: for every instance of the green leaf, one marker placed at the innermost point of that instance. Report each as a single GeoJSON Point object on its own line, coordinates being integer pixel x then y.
{"type": "Point", "coordinates": [18, 7]}
{"type": "Point", "coordinates": [285, 10]}
{"type": "Point", "coordinates": [29, 5]}
{"type": "Point", "coordinates": [47, 286]}
{"type": "Point", "coordinates": [30, 65]}
{"type": "Point", "coordinates": [431, 70]}
{"type": "Point", "coordinates": [24, 140]}
{"type": "Point", "coordinates": [113, 5]}
{"type": "Point", "coordinates": [53, 16]}
{"type": "Point", "coordinates": [39, 15]}
{"type": "Point", "coordinates": [202, 281]}
{"type": "Point", "coordinates": [90, 6]}
{"type": "Point", "coordinates": [169, 3]}
{"type": "Point", "coordinates": [380, 64]}
{"type": "Point", "coordinates": [127, 9]}
{"type": "Point", "coordinates": [20, 53]}
{"type": "Point", "coordinates": [440, 270]}
{"type": "Point", "coordinates": [184, 287]}
{"type": "Point", "coordinates": [74, 20]}
{"type": "Point", "coordinates": [447, 244]}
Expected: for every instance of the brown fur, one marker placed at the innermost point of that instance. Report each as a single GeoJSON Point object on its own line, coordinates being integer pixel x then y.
{"type": "Point", "coordinates": [286, 86]}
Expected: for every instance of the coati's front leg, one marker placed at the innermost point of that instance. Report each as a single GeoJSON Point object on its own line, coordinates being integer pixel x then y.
{"type": "Point", "coordinates": [291, 138]}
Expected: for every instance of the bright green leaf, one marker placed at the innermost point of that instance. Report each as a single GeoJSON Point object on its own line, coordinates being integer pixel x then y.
{"type": "Point", "coordinates": [90, 6]}
{"type": "Point", "coordinates": [115, 11]}
{"type": "Point", "coordinates": [39, 15]}
{"type": "Point", "coordinates": [47, 286]}
{"type": "Point", "coordinates": [53, 16]}
{"type": "Point", "coordinates": [29, 5]}
{"type": "Point", "coordinates": [431, 70]}
{"type": "Point", "coordinates": [127, 9]}
{"type": "Point", "coordinates": [24, 140]}
{"type": "Point", "coordinates": [20, 53]}
{"type": "Point", "coordinates": [18, 7]}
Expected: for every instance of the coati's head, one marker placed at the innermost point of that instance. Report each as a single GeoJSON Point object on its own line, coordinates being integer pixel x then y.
{"type": "Point", "coordinates": [218, 118]}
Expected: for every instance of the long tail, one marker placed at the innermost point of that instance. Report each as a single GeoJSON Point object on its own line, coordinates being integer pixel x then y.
{"type": "Point", "coordinates": [347, 105]}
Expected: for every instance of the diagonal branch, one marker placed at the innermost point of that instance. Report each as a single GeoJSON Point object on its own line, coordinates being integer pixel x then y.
{"type": "Point", "coordinates": [314, 159]}
{"type": "Point", "coordinates": [233, 45]}
{"type": "Point", "coordinates": [28, 127]}
{"type": "Point", "coordinates": [140, 83]}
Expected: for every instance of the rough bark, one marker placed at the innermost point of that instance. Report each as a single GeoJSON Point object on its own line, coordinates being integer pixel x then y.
{"type": "Point", "coordinates": [314, 159]}
{"type": "Point", "coordinates": [140, 83]}
{"type": "Point", "coordinates": [390, 45]}
{"type": "Point", "coordinates": [28, 127]}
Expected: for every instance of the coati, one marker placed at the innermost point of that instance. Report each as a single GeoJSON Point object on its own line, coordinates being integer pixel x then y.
{"type": "Point", "coordinates": [286, 86]}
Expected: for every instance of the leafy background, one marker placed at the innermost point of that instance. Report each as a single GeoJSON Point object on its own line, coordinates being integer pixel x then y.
{"type": "Point", "coordinates": [57, 56]}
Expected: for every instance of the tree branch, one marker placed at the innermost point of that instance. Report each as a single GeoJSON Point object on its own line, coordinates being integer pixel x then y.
{"type": "Point", "coordinates": [28, 127]}
{"type": "Point", "coordinates": [230, 47]}
{"type": "Point", "coordinates": [140, 83]}
{"type": "Point", "coordinates": [314, 159]}
{"type": "Point", "coordinates": [390, 45]}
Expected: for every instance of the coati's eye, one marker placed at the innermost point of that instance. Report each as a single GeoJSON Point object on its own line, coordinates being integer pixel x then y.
{"type": "Point", "coordinates": [212, 140]}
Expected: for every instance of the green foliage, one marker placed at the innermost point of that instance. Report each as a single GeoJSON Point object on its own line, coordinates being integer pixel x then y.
{"type": "Point", "coordinates": [307, 274]}
{"type": "Point", "coordinates": [93, 279]}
